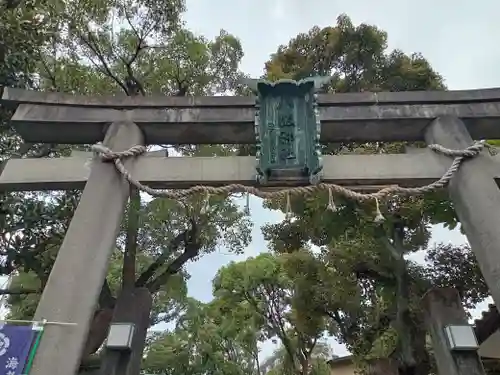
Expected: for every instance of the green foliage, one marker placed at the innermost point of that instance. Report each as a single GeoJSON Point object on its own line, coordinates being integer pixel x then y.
{"type": "Point", "coordinates": [278, 363]}
{"type": "Point", "coordinates": [457, 266]}
{"type": "Point", "coordinates": [23, 306]}
{"type": "Point", "coordinates": [23, 30]}
{"type": "Point", "coordinates": [137, 48]}
{"type": "Point", "coordinates": [384, 345]}
{"type": "Point", "coordinates": [356, 58]}
{"type": "Point", "coordinates": [160, 221]}
{"type": "Point", "coordinates": [32, 230]}
{"type": "Point", "coordinates": [360, 280]}
{"type": "Point", "coordinates": [203, 343]}
{"type": "Point", "coordinates": [223, 223]}
{"type": "Point", "coordinates": [271, 290]}
{"type": "Point", "coordinates": [96, 47]}
{"type": "Point", "coordinates": [168, 302]}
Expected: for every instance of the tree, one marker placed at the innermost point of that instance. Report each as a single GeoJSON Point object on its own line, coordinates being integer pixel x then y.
{"type": "Point", "coordinates": [137, 48]}
{"type": "Point", "coordinates": [367, 288]}
{"type": "Point", "coordinates": [203, 342]}
{"type": "Point", "coordinates": [278, 362]}
{"type": "Point", "coordinates": [356, 58]}
{"type": "Point", "coordinates": [22, 34]}
{"type": "Point", "coordinates": [270, 289]}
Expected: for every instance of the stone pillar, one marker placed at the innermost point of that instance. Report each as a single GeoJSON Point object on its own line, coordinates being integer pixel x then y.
{"type": "Point", "coordinates": [132, 306]}
{"type": "Point", "coordinates": [476, 198]}
{"type": "Point", "coordinates": [80, 268]}
{"type": "Point", "coordinates": [442, 307]}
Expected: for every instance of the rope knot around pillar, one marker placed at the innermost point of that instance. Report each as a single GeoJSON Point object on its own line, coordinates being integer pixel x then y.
{"type": "Point", "coordinates": [468, 152]}
{"type": "Point", "coordinates": [106, 154]}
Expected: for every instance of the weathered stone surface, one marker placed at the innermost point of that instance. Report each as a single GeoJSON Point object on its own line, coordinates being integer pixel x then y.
{"type": "Point", "coordinates": [476, 198]}
{"type": "Point", "coordinates": [18, 96]}
{"type": "Point", "coordinates": [415, 169]}
{"type": "Point", "coordinates": [235, 125]}
{"type": "Point", "coordinates": [81, 265]}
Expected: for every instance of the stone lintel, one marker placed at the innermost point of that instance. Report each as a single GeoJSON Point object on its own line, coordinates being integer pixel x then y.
{"type": "Point", "coordinates": [235, 125]}
{"type": "Point", "coordinates": [369, 171]}
{"type": "Point", "coordinates": [14, 96]}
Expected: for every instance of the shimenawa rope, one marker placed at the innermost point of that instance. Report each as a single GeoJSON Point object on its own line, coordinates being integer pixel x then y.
{"type": "Point", "coordinates": [107, 155]}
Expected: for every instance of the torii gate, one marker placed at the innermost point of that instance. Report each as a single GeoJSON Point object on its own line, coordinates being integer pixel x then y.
{"type": "Point", "coordinates": [452, 119]}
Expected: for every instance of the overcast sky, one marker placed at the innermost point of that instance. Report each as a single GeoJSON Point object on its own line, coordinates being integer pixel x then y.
{"type": "Point", "coordinates": [459, 38]}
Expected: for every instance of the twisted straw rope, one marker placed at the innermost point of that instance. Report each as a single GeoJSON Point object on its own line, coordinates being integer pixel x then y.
{"type": "Point", "coordinates": [107, 155]}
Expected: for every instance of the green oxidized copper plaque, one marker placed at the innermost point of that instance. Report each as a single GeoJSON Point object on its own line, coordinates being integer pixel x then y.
{"type": "Point", "coordinates": [287, 129]}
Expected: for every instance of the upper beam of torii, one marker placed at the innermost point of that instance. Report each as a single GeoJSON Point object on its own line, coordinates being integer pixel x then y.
{"type": "Point", "coordinates": [383, 116]}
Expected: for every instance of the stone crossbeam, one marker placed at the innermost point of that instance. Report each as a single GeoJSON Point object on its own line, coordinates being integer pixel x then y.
{"type": "Point", "coordinates": [361, 172]}
{"type": "Point", "coordinates": [235, 125]}
{"type": "Point", "coordinates": [19, 96]}
{"type": "Point", "coordinates": [363, 117]}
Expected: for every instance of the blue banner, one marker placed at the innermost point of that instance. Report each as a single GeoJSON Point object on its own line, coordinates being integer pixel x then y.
{"type": "Point", "coordinates": [15, 344]}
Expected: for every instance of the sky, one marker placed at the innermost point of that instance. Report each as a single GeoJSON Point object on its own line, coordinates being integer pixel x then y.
{"type": "Point", "coordinates": [459, 38]}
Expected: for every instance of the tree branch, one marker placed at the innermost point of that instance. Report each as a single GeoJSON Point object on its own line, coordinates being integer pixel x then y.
{"type": "Point", "coordinates": [90, 43]}
{"type": "Point", "coordinates": [106, 299]}
{"type": "Point", "coordinates": [11, 4]}
{"type": "Point", "coordinates": [175, 243]}
{"type": "Point", "coordinates": [129, 258]}
{"type": "Point", "coordinates": [23, 150]}
{"type": "Point", "coordinates": [189, 253]}
{"type": "Point", "coordinates": [131, 24]}
{"type": "Point", "coordinates": [44, 151]}
{"type": "Point", "coordinates": [338, 319]}
{"type": "Point", "coordinates": [276, 319]}
{"type": "Point", "coordinates": [403, 320]}
{"type": "Point", "coordinates": [364, 271]}
{"type": "Point", "coordinates": [191, 250]}
{"type": "Point", "coordinates": [134, 86]}
{"type": "Point", "coordinates": [50, 75]}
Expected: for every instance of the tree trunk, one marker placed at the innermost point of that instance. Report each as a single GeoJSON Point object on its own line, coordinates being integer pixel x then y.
{"type": "Point", "coordinates": [382, 366]}
{"type": "Point", "coordinates": [91, 366]}
{"type": "Point", "coordinates": [98, 331]}
{"type": "Point", "coordinates": [132, 306]}
{"type": "Point", "coordinates": [129, 258]}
